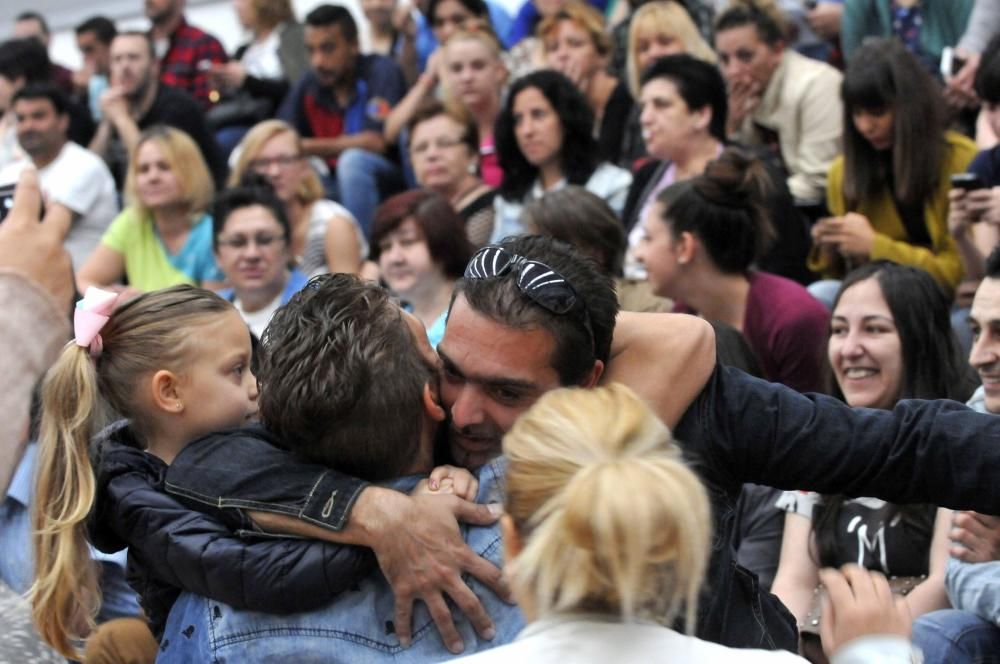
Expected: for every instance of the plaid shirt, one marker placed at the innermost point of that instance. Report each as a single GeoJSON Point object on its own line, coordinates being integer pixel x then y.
{"type": "Point", "coordinates": [179, 66]}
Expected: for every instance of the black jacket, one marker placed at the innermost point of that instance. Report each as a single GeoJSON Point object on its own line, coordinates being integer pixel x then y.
{"type": "Point", "coordinates": [218, 555]}
{"type": "Point", "coordinates": [739, 429]}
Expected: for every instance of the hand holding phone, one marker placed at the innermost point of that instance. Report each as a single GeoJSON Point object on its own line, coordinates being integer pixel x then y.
{"type": "Point", "coordinates": [967, 181]}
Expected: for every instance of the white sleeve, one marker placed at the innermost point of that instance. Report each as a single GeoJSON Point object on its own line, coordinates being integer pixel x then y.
{"type": "Point", "coordinates": [881, 648]}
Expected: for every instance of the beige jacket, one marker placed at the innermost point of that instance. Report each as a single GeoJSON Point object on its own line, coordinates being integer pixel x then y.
{"type": "Point", "coordinates": [802, 104]}
{"type": "Point", "coordinates": [32, 332]}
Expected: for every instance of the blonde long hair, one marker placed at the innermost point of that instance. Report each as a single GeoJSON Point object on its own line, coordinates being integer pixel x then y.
{"type": "Point", "coordinates": [186, 163]}
{"type": "Point", "coordinates": [669, 18]}
{"type": "Point", "coordinates": [310, 189]}
{"type": "Point", "coordinates": [149, 333]}
{"type": "Point", "coordinates": [612, 520]}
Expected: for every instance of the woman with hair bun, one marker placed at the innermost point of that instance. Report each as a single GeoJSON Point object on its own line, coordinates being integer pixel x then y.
{"type": "Point", "coordinates": [606, 541]}
{"type": "Point", "coordinates": [701, 238]}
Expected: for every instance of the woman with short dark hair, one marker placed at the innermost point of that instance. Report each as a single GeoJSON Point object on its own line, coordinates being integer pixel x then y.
{"type": "Point", "coordinates": [420, 246]}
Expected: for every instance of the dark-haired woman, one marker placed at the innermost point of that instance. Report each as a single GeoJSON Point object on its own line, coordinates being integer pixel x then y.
{"type": "Point", "coordinates": [888, 192]}
{"type": "Point", "coordinates": [544, 141]}
{"type": "Point", "coordinates": [700, 239]}
{"type": "Point", "coordinates": [419, 243]}
{"type": "Point", "coordinates": [683, 120]}
{"type": "Point", "coordinates": [890, 339]}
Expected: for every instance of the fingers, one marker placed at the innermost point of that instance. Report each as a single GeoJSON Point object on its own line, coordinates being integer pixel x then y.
{"type": "Point", "coordinates": [476, 514]}
{"type": "Point", "coordinates": [443, 620]}
{"type": "Point", "coordinates": [472, 608]}
{"type": "Point", "coordinates": [488, 574]}
{"type": "Point", "coordinates": [404, 618]}
{"type": "Point", "coordinates": [27, 199]}
{"type": "Point", "coordinates": [438, 474]}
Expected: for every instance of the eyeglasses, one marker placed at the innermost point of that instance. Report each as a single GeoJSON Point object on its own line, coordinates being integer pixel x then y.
{"type": "Point", "coordinates": [238, 242]}
{"type": "Point", "coordinates": [442, 143]}
{"type": "Point", "coordinates": [284, 161]}
{"type": "Point", "coordinates": [546, 287]}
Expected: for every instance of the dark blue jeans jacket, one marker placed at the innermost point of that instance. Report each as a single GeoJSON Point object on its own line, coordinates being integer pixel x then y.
{"type": "Point", "coordinates": [356, 627]}
{"type": "Point", "coordinates": [739, 429]}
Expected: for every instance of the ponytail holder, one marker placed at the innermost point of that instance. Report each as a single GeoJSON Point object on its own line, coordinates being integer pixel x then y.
{"type": "Point", "coordinates": [91, 313]}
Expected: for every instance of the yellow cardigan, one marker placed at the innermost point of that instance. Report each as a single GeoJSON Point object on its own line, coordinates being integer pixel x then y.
{"type": "Point", "coordinates": [891, 242]}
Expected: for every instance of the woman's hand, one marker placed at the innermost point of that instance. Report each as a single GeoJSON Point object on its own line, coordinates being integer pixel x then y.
{"type": "Point", "coordinates": [959, 216]}
{"type": "Point", "coordinates": [744, 98]}
{"type": "Point", "coordinates": [984, 205]}
{"type": "Point", "coordinates": [852, 234]}
{"type": "Point", "coordinates": [975, 538]}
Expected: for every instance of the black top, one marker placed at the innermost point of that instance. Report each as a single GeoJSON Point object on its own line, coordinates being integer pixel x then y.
{"type": "Point", "coordinates": [610, 139]}
{"type": "Point", "coordinates": [739, 429]}
{"type": "Point", "coordinates": [174, 108]}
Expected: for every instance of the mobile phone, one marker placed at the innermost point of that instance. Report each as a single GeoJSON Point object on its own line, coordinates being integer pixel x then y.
{"type": "Point", "coordinates": [6, 200]}
{"type": "Point", "coordinates": [951, 64]}
{"type": "Point", "coordinates": [966, 181]}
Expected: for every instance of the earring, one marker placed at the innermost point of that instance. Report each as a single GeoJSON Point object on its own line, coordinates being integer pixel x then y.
{"type": "Point", "coordinates": [472, 169]}
{"type": "Point", "coordinates": [178, 406]}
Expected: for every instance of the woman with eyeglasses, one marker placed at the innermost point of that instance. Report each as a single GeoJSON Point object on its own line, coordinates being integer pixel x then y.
{"type": "Point", "coordinates": [545, 141]}
{"type": "Point", "coordinates": [324, 236]}
{"type": "Point", "coordinates": [250, 236]}
{"type": "Point", "coordinates": [164, 235]}
{"type": "Point", "coordinates": [470, 70]}
{"type": "Point", "coordinates": [444, 151]}
{"type": "Point", "coordinates": [421, 250]}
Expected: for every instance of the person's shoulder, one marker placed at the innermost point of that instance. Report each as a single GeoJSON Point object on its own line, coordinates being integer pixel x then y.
{"type": "Point", "coordinates": [961, 147]}
{"type": "Point", "coordinates": [375, 65]}
{"type": "Point", "coordinates": [169, 105]}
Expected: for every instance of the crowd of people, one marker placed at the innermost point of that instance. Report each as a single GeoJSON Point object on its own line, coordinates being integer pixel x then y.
{"type": "Point", "coordinates": [665, 330]}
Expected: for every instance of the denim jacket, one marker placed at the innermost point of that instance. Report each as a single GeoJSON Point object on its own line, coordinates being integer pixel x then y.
{"type": "Point", "coordinates": [739, 429]}
{"type": "Point", "coordinates": [355, 628]}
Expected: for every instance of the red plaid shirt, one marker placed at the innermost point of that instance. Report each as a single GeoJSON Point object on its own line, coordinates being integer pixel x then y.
{"type": "Point", "coordinates": [179, 67]}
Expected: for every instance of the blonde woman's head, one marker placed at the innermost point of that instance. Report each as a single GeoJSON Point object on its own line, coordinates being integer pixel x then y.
{"type": "Point", "coordinates": [602, 514]}
{"type": "Point", "coordinates": [658, 29]}
{"type": "Point", "coordinates": [167, 169]}
{"type": "Point", "coordinates": [274, 149]}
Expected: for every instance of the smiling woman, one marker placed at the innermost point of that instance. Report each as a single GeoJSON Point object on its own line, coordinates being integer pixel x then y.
{"type": "Point", "coordinates": [890, 339]}
{"type": "Point", "coordinates": [164, 236]}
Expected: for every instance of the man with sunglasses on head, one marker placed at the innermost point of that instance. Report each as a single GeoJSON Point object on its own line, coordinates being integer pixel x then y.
{"type": "Point", "coordinates": [531, 315]}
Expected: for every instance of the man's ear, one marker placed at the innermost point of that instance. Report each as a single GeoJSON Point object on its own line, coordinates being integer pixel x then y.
{"type": "Point", "coordinates": [432, 403]}
{"type": "Point", "coordinates": [64, 123]}
{"type": "Point", "coordinates": [593, 376]}
{"type": "Point", "coordinates": [512, 544]}
{"type": "Point", "coordinates": [166, 391]}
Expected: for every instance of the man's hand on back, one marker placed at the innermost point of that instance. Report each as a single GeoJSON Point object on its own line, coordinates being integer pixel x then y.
{"type": "Point", "coordinates": [423, 556]}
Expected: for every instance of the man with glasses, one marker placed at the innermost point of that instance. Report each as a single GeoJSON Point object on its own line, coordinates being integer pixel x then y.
{"type": "Point", "coordinates": [250, 239]}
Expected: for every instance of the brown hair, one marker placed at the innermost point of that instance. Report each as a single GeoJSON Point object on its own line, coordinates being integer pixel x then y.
{"type": "Point", "coordinates": [584, 16]}
{"type": "Point", "coordinates": [342, 378]}
{"type": "Point", "coordinates": [272, 12]}
{"type": "Point", "coordinates": [149, 333]}
{"type": "Point", "coordinates": [443, 229]}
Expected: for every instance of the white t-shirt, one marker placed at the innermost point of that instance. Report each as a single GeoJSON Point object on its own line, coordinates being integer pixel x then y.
{"type": "Point", "coordinates": [81, 181]}
{"type": "Point", "coordinates": [257, 320]}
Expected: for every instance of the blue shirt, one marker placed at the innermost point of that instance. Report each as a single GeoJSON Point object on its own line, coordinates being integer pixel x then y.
{"type": "Point", "coordinates": [17, 567]}
{"type": "Point", "coordinates": [355, 628]}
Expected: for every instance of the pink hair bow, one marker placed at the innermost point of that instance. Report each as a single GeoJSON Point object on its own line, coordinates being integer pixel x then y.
{"type": "Point", "coordinates": [92, 312]}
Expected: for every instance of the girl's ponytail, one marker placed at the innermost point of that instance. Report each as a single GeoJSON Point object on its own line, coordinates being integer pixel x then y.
{"type": "Point", "coordinates": [65, 595]}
